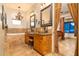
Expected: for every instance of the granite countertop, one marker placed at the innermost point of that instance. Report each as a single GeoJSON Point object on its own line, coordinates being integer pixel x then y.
{"type": "Point", "coordinates": [45, 33]}
{"type": "Point", "coordinates": [32, 33]}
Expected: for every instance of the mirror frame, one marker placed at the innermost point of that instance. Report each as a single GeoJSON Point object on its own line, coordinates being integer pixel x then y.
{"type": "Point", "coordinates": [34, 20]}
{"type": "Point", "coordinates": [50, 23]}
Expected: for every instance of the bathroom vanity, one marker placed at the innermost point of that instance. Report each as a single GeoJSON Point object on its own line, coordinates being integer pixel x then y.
{"type": "Point", "coordinates": [43, 43]}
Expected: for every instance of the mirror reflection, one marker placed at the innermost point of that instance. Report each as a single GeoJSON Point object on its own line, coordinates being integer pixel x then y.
{"type": "Point", "coordinates": [32, 18]}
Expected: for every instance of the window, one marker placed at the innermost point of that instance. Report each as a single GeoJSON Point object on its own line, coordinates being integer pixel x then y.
{"type": "Point", "coordinates": [16, 22]}
{"type": "Point", "coordinates": [69, 27]}
{"type": "Point", "coordinates": [66, 27]}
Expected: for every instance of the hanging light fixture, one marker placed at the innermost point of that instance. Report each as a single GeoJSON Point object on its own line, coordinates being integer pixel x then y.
{"type": "Point", "coordinates": [19, 16]}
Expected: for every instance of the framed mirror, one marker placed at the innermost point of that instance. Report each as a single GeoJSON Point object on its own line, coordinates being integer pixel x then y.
{"type": "Point", "coordinates": [32, 21]}
{"type": "Point", "coordinates": [46, 16]}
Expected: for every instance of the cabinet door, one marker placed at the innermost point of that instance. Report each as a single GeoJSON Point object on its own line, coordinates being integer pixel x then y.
{"type": "Point", "coordinates": [36, 42]}
{"type": "Point", "coordinates": [26, 38]}
{"type": "Point", "coordinates": [46, 44]}
{"type": "Point", "coordinates": [49, 39]}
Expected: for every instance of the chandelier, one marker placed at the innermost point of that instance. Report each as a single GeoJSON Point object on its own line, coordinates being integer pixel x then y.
{"type": "Point", "coordinates": [19, 16]}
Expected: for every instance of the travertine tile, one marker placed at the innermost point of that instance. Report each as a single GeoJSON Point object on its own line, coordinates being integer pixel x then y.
{"type": "Point", "coordinates": [17, 47]}
{"type": "Point", "coordinates": [67, 46]}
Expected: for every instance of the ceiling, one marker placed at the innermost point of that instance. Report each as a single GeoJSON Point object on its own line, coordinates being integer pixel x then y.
{"type": "Point", "coordinates": [27, 6]}
{"type": "Point", "coordinates": [24, 6]}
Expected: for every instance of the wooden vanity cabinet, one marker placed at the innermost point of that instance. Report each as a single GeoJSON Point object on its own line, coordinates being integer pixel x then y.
{"type": "Point", "coordinates": [29, 39]}
{"type": "Point", "coordinates": [43, 43]}
{"type": "Point", "coordinates": [26, 38]}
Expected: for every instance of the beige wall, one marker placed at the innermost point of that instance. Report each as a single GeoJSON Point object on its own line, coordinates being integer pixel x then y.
{"type": "Point", "coordinates": [10, 15]}
{"type": "Point", "coordinates": [2, 40]}
{"type": "Point", "coordinates": [36, 10]}
{"type": "Point", "coordinates": [26, 16]}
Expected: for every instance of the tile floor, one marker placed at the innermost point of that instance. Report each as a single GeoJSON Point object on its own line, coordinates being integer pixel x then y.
{"type": "Point", "coordinates": [18, 48]}
{"type": "Point", "coordinates": [67, 46]}
{"type": "Point", "coordinates": [23, 50]}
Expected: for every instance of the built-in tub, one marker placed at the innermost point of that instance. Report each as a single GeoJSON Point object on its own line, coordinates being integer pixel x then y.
{"type": "Point", "coordinates": [15, 33]}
